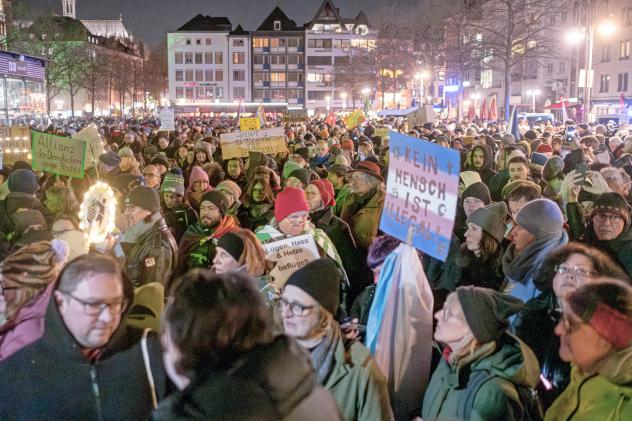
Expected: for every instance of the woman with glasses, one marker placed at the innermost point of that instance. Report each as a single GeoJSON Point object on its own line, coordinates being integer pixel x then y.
{"type": "Point", "coordinates": [566, 269]}
{"type": "Point", "coordinates": [595, 331]}
{"type": "Point", "coordinates": [309, 303]}
{"type": "Point", "coordinates": [258, 204]}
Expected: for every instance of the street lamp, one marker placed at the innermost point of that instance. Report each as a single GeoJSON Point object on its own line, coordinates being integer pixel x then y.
{"type": "Point", "coordinates": [533, 93]}
{"type": "Point", "coordinates": [421, 76]}
{"type": "Point", "coordinates": [343, 95]}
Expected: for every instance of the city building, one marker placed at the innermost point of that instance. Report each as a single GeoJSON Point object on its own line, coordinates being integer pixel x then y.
{"type": "Point", "coordinates": [22, 88]}
{"type": "Point", "coordinates": [330, 41]}
{"type": "Point", "coordinates": [208, 62]}
{"type": "Point", "coordinates": [278, 61]}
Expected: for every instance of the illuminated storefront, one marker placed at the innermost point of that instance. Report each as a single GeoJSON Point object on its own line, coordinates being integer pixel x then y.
{"type": "Point", "coordinates": [22, 88]}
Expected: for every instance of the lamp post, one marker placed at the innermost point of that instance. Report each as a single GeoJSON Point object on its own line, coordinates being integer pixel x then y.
{"type": "Point", "coordinates": [533, 93]}
{"type": "Point", "coordinates": [328, 100]}
{"type": "Point", "coordinates": [343, 95]}
{"type": "Point", "coordinates": [422, 76]}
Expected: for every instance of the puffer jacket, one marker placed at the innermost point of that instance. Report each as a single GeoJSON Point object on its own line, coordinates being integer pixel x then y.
{"type": "Point", "coordinates": [269, 383]}
{"type": "Point", "coordinates": [152, 258]}
{"type": "Point", "coordinates": [13, 202]}
{"type": "Point", "coordinates": [605, 394]}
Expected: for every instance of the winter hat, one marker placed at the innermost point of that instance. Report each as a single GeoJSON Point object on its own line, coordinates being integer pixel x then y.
{"type": "Point", "coordinates": [302, 174]}
{"type": "Point", "coordinates": [553, 167]}
{"type": "Point", "coordinates": [321, 280]}
{"type": "Point", "coordinates": [541, 218]}
{"type": "Point", "coordinates": [217, 198]}
{"type": "Point", "coordinates": [369, 168]}
{"type": "Point", "coordinates": [530, 135]}
{"type": "Point", "coordinates": [110, 158]}
{"type": "Point", "coordinates": [525, 147]}
{"type": "Point", "coordinates": [173, 183]}
{"type": "Point", "coordinates": [478, 190]}
{"type": "Point", "coordinates": [232, 244]}
{"type": "Point", "coordinates": [486, 311]}
{"type": "Point", "coordinates": [125, 152]}
{"type": "Point", "coordinates": [347, 144]}
{"type": "Point", "coordinates": [159, 159]}
{"type": "Point", "coordinates": [612, 202]}
{"type": "Point", "coordinates": [144, 197]}
{"type": "Point", "coordinates": [538, 158]}
{"type": "Point", "coordinates": [326, 191]}
{"type": "Point", "coordinates": [288, 167]}
{"type": "Point", "coordinates": [336, 150]}
{"type": "Point", "coordinates": [508, 139]}
{"type": "Point", "coordinates": [470, 177]}
{"type": "Point", "coordinates": [27, 218]}
{"type": "Point", "coordinates": [513, 185]}
{"type": "Point", "coordinates": [379, 250]}
{"type": "Point", "coordinates": [290, 200]}
{"type": "Point", "coordinates": [304, 152]}
{"type": "Point", "coordinates": [230, 185]}
{"type": "Point", "coordinates": [23, 181]}
{"type": "Point", "coordinates": [491, 219]}
{"type": "Point", "coordinates": [125, 183]}
{"type": "Point", "coordinates": [545, 148]}
{"type": "Point", "coordinates": [324, 134]}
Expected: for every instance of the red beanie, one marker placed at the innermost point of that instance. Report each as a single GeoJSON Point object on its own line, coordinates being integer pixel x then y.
{"type": "Point", "coordinates": [544, 148]}
{"type": "Point", "coordinates": [347, 144]}
{"type": "Point", "coordinates": [326, 191]}
{"type": "Point", "coordinates": [287, 202]}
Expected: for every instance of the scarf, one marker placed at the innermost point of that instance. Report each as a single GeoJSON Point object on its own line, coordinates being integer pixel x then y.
{"type": "Point", "coordinates": [323, 355]}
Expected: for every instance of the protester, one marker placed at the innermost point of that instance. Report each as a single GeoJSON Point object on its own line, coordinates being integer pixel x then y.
{"type": "Point", "coordinates": [258, 204]}
{"type": "Point", "coordinates": [178, 214]}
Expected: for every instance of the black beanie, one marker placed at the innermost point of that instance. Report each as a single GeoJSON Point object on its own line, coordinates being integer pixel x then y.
{"type": "Point", "coordinates": [321, 280]}
{"type": "Point", "coordinates": [302, 174]}
{"type": "Point", "coordinates": [144, 197]}
{"type": "Point", "coordinates": [486, 311]}
{"type": "Point", "coordinates": [23, 181]}
{"type": "Point", "coordinates": [232, 244]}
{"type": "Point", "coordinates": [478, 190]}
{"type": "Point", "coordinates": [218, 199]}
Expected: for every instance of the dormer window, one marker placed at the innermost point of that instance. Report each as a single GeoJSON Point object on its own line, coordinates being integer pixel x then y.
{"type": "Point", "coordinates": [277, 25]}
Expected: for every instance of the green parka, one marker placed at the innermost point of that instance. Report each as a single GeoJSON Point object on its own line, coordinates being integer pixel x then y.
{"type": "Point", "coordinates": [509, 360]}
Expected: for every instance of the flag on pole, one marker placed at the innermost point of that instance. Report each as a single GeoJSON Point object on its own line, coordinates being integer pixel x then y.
{"type": "Point", "coordinates": [621, 102]}
{"type": "Point", "coordinates": [564, 112]}
{"type": "Point", "coordinates": [484, 110]}
{"type": "Point", "coordinates": [492, 115]}
{"type": "Point", "coordinates": [355, 119]}
{"type": "Point", "coordinates": [367, 105]}
{"type": "Point", "coordinates": [262, 115]}
{"type": "Point", "coordinates": [513, 124]}
{"type": "Point", "coordinates": [331, 119]}
{"type": "Point", "coordinates": [241, 109]}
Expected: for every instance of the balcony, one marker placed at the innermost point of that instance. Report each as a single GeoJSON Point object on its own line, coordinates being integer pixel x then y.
{"type": "Point", "coordinates": [277, 67]}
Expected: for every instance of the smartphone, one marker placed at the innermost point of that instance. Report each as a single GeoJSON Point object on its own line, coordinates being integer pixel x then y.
{"type": "Point", "coordinates": [581, 169]}
{"type": "Point", "coordinates": [570, 134]}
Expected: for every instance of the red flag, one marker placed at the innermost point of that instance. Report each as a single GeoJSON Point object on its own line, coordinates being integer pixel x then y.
{"type": "Point", "coordinates": [471, 112]}
{"type": "Point", "coordinates": [331, 119]}
{"type": "Point", "coordinates": [493, 112]}
{"type": "Point", "coordinates": [484, 109]}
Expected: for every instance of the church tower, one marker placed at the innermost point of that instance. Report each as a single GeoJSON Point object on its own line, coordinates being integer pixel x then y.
{"type": "Point", "coordinates": [68, 8]}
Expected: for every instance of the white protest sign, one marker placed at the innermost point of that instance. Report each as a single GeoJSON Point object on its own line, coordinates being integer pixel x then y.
{"type": "Point", "coordinates": [167, 119]}
{"type": "Point", "coordinates": [93, 138]}
{"type": "Point", "coordinates": [238, 144]}
{"type": "Point", "coordinates": [290, 254]}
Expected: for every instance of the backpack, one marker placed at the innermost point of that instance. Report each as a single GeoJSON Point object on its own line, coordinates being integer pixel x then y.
{"type": "Point", "coordinates": [529, 399]}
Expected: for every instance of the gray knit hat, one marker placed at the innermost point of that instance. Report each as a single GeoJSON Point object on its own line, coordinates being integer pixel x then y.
{"type": "Point", "coordinates": [173, 183]}
{"type": "Point", "coordinates": [541, 218]}
{"type": "Point", "coordinates": [491, 219]}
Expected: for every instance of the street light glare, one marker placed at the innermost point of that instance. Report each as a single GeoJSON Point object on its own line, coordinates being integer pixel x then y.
{"type": "Point", "coordinates": [574, 36]}
{"type": "Point", "coordinates": [366, 91]}
{"type": "Point", "coordinates": [607, 27]}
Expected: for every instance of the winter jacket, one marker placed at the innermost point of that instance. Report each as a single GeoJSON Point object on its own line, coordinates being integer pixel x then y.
{"type": "Point", "coordinates": [152, 258]}
{"type": "Point", "coordinates": [326, 161]}
{"type": "Point", "coordinates": [269, 383]}
{"type": "Point", "coordinates": [479, 271]}
{"type": "Point", "coordinates": [605, 394]}
{"type": "Point", "coordinates": [509, 361]}
{"type": "Point", "coordinates": [486, 172]}
{"type": "Point", "coordinates": [179, 219]}
{"type": "Point", "coordinates": [51, 379]}
{"type": "Point", "coordinates": [364, 220]}
{"type": "Point", "coordinates": [358, 385]}
{"type": "Point", "coordinates": [444, 275]}
{"type": "Point", "coordinates": [497, 183]}
{"type": "Point", "coordinates": [13, 202]}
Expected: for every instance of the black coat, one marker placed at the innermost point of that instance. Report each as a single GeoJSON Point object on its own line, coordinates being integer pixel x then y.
{"type": "Point", "coordinates": [272, 382]}
{"type": "Point", "coordinates": [51, 379]}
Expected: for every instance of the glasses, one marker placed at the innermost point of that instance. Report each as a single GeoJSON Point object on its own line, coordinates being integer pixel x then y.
{"type": "Point", "coordinates": [96, 308]}
{"type": "Point", "coordinates": [612, 218]}
{"type": "Point", "coordinates": [296, 308]}
{"type": "Point", "coordinates": [564, 269]}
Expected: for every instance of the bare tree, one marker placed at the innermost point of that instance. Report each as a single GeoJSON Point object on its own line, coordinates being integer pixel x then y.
{"type": "Point", "coordinates": [96, 73]}
{"type": "Point", "coordinates": [74, 70]}
{"type": "Point", "coordinates": [354, 72]}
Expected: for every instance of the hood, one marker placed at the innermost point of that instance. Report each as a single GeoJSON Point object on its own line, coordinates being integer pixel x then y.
{"type": "Point", "coordinates": [511, 359]}
{"type": "Point", "coordinates": [17, 200]}
{"type": "Point", "coordinates": [204, 147]}
{"type": "Point", "coordinates": [487, 152]}
{"type": "Point", "coordinates": [617, 367]}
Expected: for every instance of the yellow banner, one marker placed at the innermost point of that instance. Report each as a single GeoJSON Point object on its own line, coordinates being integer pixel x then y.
{"type": "Point", "coordinates": [354, 119]}
{"type": "Point", "coordinates": [238, 144]}
{"type": "Point", "coordinates": [247, 124]}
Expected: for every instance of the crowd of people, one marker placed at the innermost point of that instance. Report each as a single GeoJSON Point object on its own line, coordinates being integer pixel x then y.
{"type": "Point", "coordinates": [180, 314]}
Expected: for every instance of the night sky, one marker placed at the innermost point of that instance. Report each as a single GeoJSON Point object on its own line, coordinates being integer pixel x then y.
{"type": "Point", "coordinates": [151, 19]}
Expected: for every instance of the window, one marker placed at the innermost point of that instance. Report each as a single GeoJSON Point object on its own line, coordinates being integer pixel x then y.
{"type": "Point", "coordinates": [199, 75]}
{"type": "Point", "coordinates": [189, 93]}
{"type": "Point", "coordinates": [238, 42]}
{"type": "Point", "coordinates": [604, 83]}
{"type": "Point", "coordinates": [239, 75]}
{"type": "Point", "coordinates": [179, 93]}
{"type": "Point", "coordinates": [259, 59]}
{"type": "Point", "coordinates": [549, 68]}
{"type": "Point", "coordinates": [277, 25]}
{"type": "Point", "coordinates": [208, 75]}
{"type": "Point", "coordinates": [260, 94]}
{"type": "Point", "coordinates": [562, 67]}
{"type": "Point", "coordinates": [605, 52]}
{"type": "Point", "coordinates": [295, 93]}
{"type": "Point", "coordinates": [208, 58]}
{"type": "Point", "coordinates": [319, 77]}
{"type": "Point", "coordinates": [342, 43]}
{"type": "Point", "coordinates": [239, 92]}
{"type": "Point", "coordinates": [295, 77]}
{"type": "Point", "coordinates": [199, 92]}
{"type": "Point", "coordinates": [219, 58]}
{"type": "Point", "coordinates": [210, 92]}
{"type": "Point", "coordinates": [198, 58]}
{"type": "Point", "coordinates": [319, 60]}
{"type": "Point", "coordinates": [292, 59]}
{"type": "Point", "coordinates": [259, 77]}
{"type": "Point", "coordinates": [278, 42]}
{"type": "Point", "coordinates": [219, 75]}
{"type": "Point", "coordinates": [342, 60]}
{"type": "Point", "coordinates": [219, 92]}
{"type": "Point", "coordinates": [178, 58]}
{"type": "Point", "coordinates": [179, 75]}
{"type": "Point", "coordinates": [189, 76]}
{"type": "Point", "coordinates": [317, 95]}
{"type": "Point", "coordinates": [626, 16]}
{"type": "Point", "coordinates": [188, 41]}
{"type": "Point", "coordinates": [208, 41]}
{"type": "Point", "coordinates": [260, 42]}
{"type": "Point", "coordinates": [319, 43]}
{"type": "Point", "coordinates": [198, 41]}
{"type": "Point", "coordinates": [278, 94]}
{"type": "Point", "coordinates": [239, 58]}
{"type": "Point", "coordinates": [188, 58]}
{"type": "Point", "coordinates": [277, 60]}
{"type": "Point", "coordinates": [277, 77]}
{"type": "Point", "coordinates": [624, 50]}
{"type": "Point", "coordinates": [292, 42]}
{"type": "Point", "coordinates": [622, 84]}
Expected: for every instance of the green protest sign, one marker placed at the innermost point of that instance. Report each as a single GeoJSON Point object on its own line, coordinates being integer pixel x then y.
{"type": "Point", "coordinates": [58, 155]}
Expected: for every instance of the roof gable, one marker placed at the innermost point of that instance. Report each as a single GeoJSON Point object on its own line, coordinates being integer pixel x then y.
{"type": "Point", "coordinates": [326, 13]}
{"type": "Point", "coordinates": [207, 23]}
{"type": "Point", "coordinates": [277, 14]}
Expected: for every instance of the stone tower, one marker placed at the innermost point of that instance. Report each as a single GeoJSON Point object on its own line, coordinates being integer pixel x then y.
{"type": "Point", "coordinates": [68, 8]}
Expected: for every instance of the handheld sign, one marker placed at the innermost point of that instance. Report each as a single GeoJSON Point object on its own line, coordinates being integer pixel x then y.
{"type": "Point", "coordinates": [421, 193]}
{"type": "Point", "coordinates": [58, 155]}
{"type": "Point", "coordinates": [290, 254]}
{"type": "Point", "coordinates": [249, 123]}
{"type": "Point", "coordinates": [98, 212]}
{"type": "Point", "coordinates": [95, 144]}
{"type": "Point", "coordinates": [167, 119]}
{"type": "Point", "coordinates": [238, 144]}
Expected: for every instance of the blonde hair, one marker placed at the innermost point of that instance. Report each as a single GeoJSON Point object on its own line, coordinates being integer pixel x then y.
{"type": "Point", "coordinates": [130, 164]}
{"type": "Point", "coordinates": [253, 256]}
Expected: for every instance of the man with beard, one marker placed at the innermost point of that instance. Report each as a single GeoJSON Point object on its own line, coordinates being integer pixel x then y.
{"type": "Point", "coordinates": [197, 248]}
{"type": "Point", "coordinates": [178, 214]}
